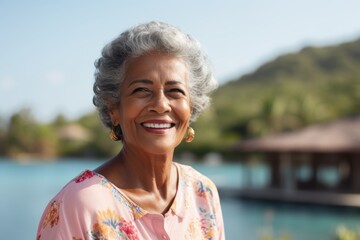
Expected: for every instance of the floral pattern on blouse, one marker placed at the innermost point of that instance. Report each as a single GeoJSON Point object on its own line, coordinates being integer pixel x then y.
{"type": "Point", "coordinates": [135, 209]}
{"type": "Point", "coordinates": [110, 226]}
{"type": "Point", "coordinates": [91, 207]}
{"type": "Point", "coordinates": [52, 215]}
{"type": "Point", "coordinates": [85, 175]}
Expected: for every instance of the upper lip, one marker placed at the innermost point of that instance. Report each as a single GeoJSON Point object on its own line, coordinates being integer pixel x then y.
{"type": "Point", "coordinates": [158, 121]}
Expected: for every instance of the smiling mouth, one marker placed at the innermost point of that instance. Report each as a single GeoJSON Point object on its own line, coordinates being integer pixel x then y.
{"type": "Point", "coordinates": [158, 125]}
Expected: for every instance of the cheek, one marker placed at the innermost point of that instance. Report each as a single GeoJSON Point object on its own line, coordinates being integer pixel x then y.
{"type": "Point", "coordinates": [127, 119]}
{"type": "Point", "coordinates": [130, 109]}
{"type": "Point", "coordinates": [184, 110]}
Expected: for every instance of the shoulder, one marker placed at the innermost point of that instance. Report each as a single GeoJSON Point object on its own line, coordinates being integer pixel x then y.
{"type": "Point", "coordinates": [89, 193]}
{"type": "Point", "coordinates": [78, 189]}
{"type": "Point", "coordinates": [63, 211]}
{"type": "Point", "coordinates": [87, 202]}
{"type": "Point", "coordinates": [81, 194]}
{"type": "Point", "coordinates": [190, 174]}
{"type": "Point", "coordinates": [199, 183]}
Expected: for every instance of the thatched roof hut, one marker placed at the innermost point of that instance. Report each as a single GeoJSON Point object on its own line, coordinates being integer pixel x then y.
{"type": "Point", "coordinates": [339, 136]}
{"type": "Point", "coordinates": [317, 148]}
{"type": "Point", "coordinates": [74, 132]}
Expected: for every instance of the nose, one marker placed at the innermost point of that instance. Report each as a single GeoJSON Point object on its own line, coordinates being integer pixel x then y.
{"type": "Point", "coordinates": [160, 103]}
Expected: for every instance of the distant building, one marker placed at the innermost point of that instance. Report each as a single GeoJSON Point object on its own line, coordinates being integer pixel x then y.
{"type": "Point", "coordinates": [320, 163]}
{"type": "Point", "coordinates": [74, 132]}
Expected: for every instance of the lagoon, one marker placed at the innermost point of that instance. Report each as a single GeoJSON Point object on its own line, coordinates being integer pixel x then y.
{"type": "Point", "coordinates": [27, 187]}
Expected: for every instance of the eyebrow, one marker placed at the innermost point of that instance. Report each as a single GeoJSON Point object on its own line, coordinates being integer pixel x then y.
{"type": "Point", "coordinates": [140, 81]}
{"type": "Point", "coordinates": [146, 81]}
{"type": "Point", "coordinates": [174, 82]}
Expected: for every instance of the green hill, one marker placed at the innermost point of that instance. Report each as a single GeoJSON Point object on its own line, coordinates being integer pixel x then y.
{"type": "Point", "coordinates": [316, 84]}
{"type": "Point", "coordinates": [294, 90]}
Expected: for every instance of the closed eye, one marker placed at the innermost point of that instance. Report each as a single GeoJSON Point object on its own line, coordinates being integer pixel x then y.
{"type": "Point", "coordinates": [177, 90]}
{"type": "Point", "coordinates": [140, 89]}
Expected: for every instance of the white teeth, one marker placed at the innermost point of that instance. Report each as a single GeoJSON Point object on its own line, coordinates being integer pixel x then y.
{"type": "Point", "coordinates": [157, 125]}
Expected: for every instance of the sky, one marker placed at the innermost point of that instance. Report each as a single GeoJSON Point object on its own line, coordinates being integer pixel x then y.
{"type": "Point", "coordinates": [48, 48]}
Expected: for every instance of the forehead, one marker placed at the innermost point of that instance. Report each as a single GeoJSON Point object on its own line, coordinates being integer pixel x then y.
{"type": "Point", "coordinates": [157, 65]}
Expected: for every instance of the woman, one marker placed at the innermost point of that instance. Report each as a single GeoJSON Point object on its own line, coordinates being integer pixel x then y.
{"type": "Point", "coordinates": [150, 84]}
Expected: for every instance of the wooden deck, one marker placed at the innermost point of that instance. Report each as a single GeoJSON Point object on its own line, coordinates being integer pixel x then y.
{"type": "Point", "coordinates": [308, 197]}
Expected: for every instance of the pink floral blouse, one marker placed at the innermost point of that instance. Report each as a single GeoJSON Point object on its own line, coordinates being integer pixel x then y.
{"type": "Point", "coordinates": [91, 207]}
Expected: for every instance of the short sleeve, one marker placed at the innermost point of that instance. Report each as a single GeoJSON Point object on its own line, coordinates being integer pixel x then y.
{"type": "Point", "coordinates": [61, 220]}
{"type": "Point", "coordinates": [69, 214]}
{"type": "Point", "coordinates": [87, 208]}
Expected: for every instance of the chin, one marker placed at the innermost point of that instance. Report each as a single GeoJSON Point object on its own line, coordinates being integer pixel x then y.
{"type": "Point", "coordinates": [157, 146]}
{"type": "Point", "coordinates": [160, 147]}
{"type": "Point", "coordinates": [160, 150]}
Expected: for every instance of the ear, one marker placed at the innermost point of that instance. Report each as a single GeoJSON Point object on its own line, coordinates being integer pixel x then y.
{"type": "Point", "coordinates": [191, 112]}
{"type": "Point", "coordinates": [114, 116]}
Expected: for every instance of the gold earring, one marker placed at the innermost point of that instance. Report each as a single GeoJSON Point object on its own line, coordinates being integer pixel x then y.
{"type": "Point", "coordinates": [112, 134]}
{"type": "Point", "coordinates": [190, 135]}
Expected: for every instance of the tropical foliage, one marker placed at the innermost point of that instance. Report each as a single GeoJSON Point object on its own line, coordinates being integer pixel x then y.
{"type": "Point", "coordinates": [344, 233]}
{"type": "Point", "coordinates": [294, 90]}
{"type": "Point", "coordinates": [23, 137]}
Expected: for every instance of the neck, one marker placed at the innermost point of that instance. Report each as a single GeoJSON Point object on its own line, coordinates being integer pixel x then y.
{"type": "Point", "coordinates": [148, 172]}
{"type": "Point", "coordinates": [150, 180]}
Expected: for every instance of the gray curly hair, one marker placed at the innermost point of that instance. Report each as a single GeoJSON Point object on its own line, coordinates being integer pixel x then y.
{"type": "Point", "coordinates": [143, 38]}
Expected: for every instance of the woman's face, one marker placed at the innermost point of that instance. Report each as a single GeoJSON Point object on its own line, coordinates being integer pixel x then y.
{"type": "Point", "coordinates": [154, 109]}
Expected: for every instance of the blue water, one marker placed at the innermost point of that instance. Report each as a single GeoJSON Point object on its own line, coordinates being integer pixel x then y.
{"type": "Point", "coordinates": [25, 189]}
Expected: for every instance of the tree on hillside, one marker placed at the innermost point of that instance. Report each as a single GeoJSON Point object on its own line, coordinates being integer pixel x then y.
{"type": "Point", "coordinates": [25, 137]}
{"type": "Point", "coordinates": [292, 91]}
{"type": "Point", "coordinates": [100, 145]}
